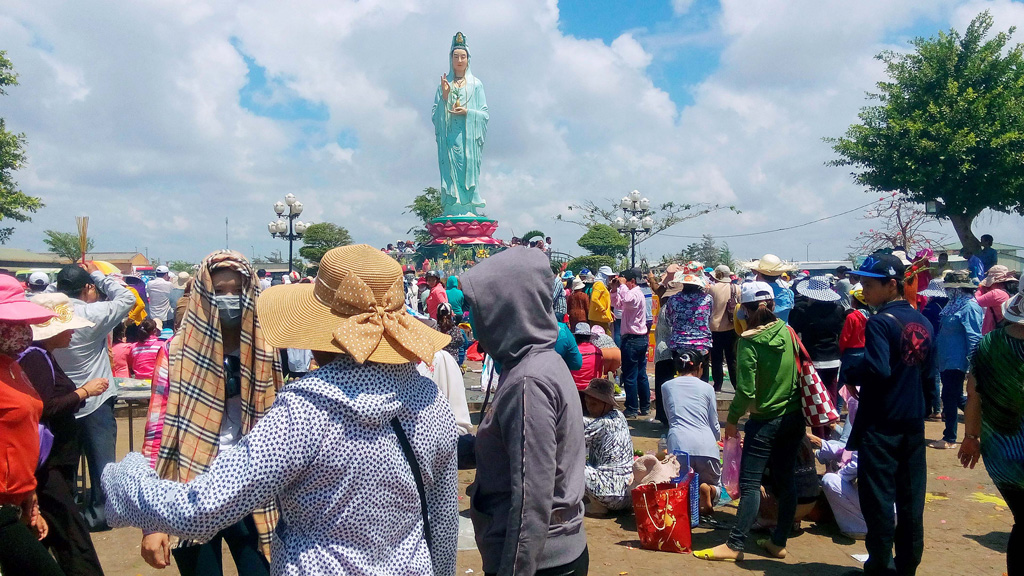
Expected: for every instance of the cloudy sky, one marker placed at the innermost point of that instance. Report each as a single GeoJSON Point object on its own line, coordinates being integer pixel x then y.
{"type": "Point", "coordinates": [159, 119]}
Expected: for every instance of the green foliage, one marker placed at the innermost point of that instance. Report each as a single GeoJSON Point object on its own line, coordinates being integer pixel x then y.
{"type": "Point", "coordinates": [532, 235]}
{"type": "Point", "coordinates": [181, 266]}
{"type": "Point", "coordinates": [65, 244]}
{"type": "Point", "coordinates": [948, 126]}
{"type": "Point", "coordinates": [426, 207]}
{"type": "Point", "coordinates": [707, 252]}
{"type": "Point", "coordinates": [14, 204]}
{"type": "Point", "coordinates": [593, 262]}
{"type": "Point", "coordinates": [665, 216]}
{"type": "Point", "coordinates": [604, 240]}
{"type": "Point", "coordinates": [321, 237]}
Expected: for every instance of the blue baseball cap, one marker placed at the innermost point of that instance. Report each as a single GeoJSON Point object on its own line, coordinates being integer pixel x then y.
{"type": "Point", "coordinates": [881, 265]}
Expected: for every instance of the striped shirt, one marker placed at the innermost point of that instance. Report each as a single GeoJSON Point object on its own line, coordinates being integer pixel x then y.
{"type": "Point", "coordinates": [143, 357]}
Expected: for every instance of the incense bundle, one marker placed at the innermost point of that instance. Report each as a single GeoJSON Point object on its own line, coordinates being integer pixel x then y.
{"type": "Point", "coordinates": [83, 238]}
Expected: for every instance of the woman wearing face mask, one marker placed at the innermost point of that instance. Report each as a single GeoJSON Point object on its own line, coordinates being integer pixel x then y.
{"type": "Point", "coordinates": [216, 378]}
{"type": "Point", "coordinates": [21, 525]}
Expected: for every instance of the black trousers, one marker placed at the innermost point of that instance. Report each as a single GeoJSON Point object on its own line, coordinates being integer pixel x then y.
{"type": "Point", "coordinates": [578, 567]}
{"type": "Point", "coordinates": [664, 370]}
{"type": "Point", "coordinates": [207, 559]}
{"type": "Point", "coordinates": [1014, 552]}
{"type": "Point", "coordinates": [20, 552]}
{"type": "Point", "coordinates": [69, 534]}
{"type": "Point", "coordinates": [723, 347]}
{"type": "Point", "coordinates": [892, 471]}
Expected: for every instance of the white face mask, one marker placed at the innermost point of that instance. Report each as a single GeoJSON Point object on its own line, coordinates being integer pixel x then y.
{"type": "Point", "coordinates": [230, 310]}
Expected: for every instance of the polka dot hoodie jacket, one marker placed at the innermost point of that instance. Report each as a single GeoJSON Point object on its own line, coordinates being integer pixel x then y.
{"type": "Point", "coordinates": [327, 453]}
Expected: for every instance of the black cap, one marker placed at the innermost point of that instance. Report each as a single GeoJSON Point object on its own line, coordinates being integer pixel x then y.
{"type": "Point", "coordinates": [631, 274]}
{"type": "Point", "coordinates": [72, 278]}
{"type": "Point", "coordinates": [882, 265]}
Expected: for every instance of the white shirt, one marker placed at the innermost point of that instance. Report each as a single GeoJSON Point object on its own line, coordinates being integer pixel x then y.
{"type": "Point", "coordinates": [159, 292]}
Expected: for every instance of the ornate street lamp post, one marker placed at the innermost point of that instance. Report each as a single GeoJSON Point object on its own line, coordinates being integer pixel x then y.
{"type": "Point", "coordinates": [635, 219]}
{"type": "Point", "coordinates": [291, 229]}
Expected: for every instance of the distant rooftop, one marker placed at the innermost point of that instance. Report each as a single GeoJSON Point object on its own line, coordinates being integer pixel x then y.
{"type": "Point", "coordinates": [999, 247]}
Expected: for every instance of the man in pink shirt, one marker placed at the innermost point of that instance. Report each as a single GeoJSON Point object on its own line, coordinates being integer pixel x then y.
{"type": "Point", "coordinates": [627, 296]}
{"type": "Point", "coordinates": [437, 294]}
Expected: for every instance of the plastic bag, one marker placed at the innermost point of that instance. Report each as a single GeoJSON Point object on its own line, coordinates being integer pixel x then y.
{"type": "Point", "coordinates": [732, 454]}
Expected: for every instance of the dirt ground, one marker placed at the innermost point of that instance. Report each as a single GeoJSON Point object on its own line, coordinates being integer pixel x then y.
{"type": "Point", "coordinates": [966, 530]}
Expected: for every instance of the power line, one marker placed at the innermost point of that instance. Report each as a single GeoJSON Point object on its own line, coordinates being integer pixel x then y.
{"type": "Point", "coordinates": [778, 229]}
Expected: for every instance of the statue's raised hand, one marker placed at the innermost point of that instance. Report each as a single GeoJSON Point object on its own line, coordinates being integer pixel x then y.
{"type": "Point", "coordinates": [445, 87]}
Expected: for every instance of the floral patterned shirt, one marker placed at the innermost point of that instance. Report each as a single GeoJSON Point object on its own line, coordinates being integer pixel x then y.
{"type": "Point", "coordinates": [689, 315]}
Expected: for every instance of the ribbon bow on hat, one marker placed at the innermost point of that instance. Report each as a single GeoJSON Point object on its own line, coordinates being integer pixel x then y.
{"type": "Point", "coordinates": [365, 321]}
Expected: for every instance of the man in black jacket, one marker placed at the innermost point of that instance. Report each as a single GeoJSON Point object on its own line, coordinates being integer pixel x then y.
{"type": "Point", "coordinates": [889, 429]}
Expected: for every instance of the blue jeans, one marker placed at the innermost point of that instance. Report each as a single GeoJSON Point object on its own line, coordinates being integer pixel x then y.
{"type": "Point", "coordinates": [777, 440]}
{"type": "Point", "coordinates": [617, 332]}
{"type": "Point", "coordinates": [97, 434]}
{"type": "Point", "coordinates": [952, 400]}
{"type": "Point", "coordinates": [634, 373]}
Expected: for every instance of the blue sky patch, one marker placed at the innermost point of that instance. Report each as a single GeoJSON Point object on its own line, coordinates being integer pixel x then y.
{"type": "Point", "coordinates": [271, 97]}
{"type": "Point", "coordinates": [685, 49]}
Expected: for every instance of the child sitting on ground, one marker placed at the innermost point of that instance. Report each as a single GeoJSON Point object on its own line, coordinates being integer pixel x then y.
{"type": "Point", "coordinates": [609, 467]}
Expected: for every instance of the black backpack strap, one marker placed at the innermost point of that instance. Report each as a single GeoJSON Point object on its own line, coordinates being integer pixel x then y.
{"type": "Point", "coordinates": [897, 320]}
{"type": "Point", "coordinates": [410, 456]}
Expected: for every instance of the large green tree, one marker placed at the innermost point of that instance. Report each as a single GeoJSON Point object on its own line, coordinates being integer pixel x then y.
{"type": "Point", "coordinates": [14, 204]}
{"type": "Point", "coordinates": [948, 126]}
{"type": "Point", "coordinates": [604, 240]}
{"type": "Point", "coordinates": [65, 244]}
{"type": "Point", "coordinates": [426, 206]}
{"type": "Point", "coordinates": [321, 237]}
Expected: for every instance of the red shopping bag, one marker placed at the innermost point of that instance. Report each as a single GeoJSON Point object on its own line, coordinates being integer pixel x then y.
{"type": "Point", "coordinates": [818, 406]}
{"type": "Point", "coordinates": [663, 516]}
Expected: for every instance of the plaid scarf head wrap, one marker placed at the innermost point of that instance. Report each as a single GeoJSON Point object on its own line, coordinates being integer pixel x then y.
{"type": "Point", "coordinates": [197, 395]}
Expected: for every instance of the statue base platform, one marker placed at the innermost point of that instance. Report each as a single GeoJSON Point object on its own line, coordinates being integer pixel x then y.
{"type": "Point", "coordinates": [463, 230]}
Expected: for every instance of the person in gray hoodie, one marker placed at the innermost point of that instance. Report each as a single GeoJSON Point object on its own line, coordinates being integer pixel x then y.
{"type": "Point", "coordinates": [527, 500]}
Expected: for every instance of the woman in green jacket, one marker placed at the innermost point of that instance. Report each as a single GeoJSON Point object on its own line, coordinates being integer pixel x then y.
{"type": "Point", "coordinates": [766, 386]}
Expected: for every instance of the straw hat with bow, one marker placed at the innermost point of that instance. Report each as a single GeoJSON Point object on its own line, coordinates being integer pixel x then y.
{"type": "Point", "coordinates": [771, 265]}
{"type": "Point", "coordinates": [355, 307]}
{"type": "Point", "coordinates": [65, 318]}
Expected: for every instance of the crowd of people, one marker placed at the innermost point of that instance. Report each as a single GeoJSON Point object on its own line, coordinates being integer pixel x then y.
{"type": "Point", "coordinates": [268, 404]}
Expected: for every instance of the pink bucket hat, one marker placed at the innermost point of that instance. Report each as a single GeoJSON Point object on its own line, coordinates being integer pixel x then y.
{"type": "Point", "coordinates": [15, 307]}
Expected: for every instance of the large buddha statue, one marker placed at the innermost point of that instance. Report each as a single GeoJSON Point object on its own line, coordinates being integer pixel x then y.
{"type": "Point", "coordinates": [460, 126]}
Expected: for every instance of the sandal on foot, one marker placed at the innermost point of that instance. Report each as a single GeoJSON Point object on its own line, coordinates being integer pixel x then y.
{"type": "Point", "coordinates": [709, 554]}
{"type": "Point", "coordinates": [764, 543]}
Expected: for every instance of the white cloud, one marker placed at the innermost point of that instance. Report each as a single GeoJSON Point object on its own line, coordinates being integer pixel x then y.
{"type": "Point", "coordinates": [135, 118]}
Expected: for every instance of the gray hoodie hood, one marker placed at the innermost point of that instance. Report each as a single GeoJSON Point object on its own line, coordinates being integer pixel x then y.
{"type": "Point", "coordinates": [509, 296]}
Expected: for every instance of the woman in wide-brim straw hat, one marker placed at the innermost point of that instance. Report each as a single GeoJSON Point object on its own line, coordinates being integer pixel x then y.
{"type": "Point", "coordinates": [343, 450]}
{"type": "Point", "coordinates": [994, 416]}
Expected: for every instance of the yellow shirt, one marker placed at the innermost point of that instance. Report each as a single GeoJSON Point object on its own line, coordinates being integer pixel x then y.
{"type": "Point", "coordinates": [600, 304]}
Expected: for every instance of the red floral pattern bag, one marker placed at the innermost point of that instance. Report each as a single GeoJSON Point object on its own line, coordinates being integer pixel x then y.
{"type": "Point", "coordinates": [663, 516]}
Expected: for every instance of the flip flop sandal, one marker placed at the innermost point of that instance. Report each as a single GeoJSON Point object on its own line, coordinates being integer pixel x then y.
{"type": "Point", "coordinates": [763, 544]}
{"type": "Point", "coordinates": [709, 554]}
